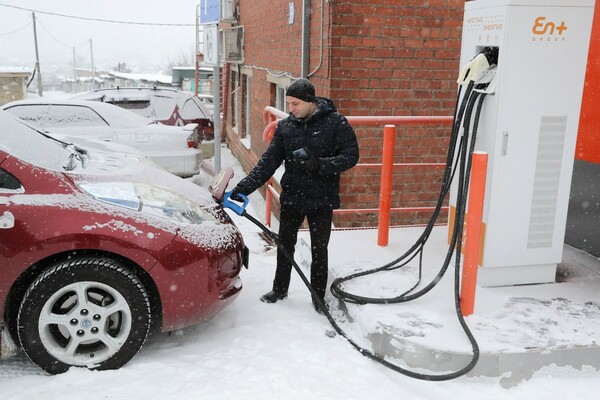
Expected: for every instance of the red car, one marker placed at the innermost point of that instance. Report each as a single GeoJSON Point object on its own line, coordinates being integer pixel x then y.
{"type": "Point", "coordinates": [98, 250]}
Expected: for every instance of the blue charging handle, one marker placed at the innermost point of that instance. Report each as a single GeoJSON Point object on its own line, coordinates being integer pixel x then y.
{"type": "Point", "coordinates": [233, 206]}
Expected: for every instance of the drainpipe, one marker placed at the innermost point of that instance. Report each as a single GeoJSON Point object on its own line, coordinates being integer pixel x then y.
{"type": "Point", "coordinates": [305, 55]}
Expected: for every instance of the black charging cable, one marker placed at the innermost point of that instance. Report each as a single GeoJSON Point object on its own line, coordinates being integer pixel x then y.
{"type": "Point", "coordinates": [459, 159]}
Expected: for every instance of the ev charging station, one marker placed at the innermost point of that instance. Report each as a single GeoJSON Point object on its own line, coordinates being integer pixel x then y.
{"type": "Point", "coordinates": [528, 127]}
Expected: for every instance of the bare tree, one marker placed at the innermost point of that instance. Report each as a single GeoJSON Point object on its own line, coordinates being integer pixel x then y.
{"type": "Point", "coordinates": [184, 59]}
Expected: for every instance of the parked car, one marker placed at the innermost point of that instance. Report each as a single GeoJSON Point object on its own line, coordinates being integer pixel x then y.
{"type": "Point", "coordinates": [98, 250]}
{"type": "Point", "coordinates": [167, 106]}
{"type": "Point", "coordinates": [108, 147]}
{"type": "Point", "coordinates": [207, 100]}
{"type": "Point", "coordinates": [173, 148]}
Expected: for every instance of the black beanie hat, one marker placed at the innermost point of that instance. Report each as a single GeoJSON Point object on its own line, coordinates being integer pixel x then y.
{"type": "Point", "coordinates": [302, 89]}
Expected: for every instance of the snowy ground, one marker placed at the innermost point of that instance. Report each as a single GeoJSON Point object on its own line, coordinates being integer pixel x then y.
{"type": "Point", "coordinates": [263, 351]}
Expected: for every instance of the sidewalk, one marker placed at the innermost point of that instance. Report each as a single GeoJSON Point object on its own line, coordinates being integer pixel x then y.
{"type": "Point", "coordinates": [519, 329]}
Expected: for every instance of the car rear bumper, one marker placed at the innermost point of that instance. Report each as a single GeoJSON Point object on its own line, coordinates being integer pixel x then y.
{"type": "Point", "coordinates": [184, 163]}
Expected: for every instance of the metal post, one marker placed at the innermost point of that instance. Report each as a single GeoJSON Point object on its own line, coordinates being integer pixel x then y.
{"type": "Point", "coordinates": [305, 51]}
{"type": "Point", "coordinates": [217, 114]}
{"type": "Point", "coordinates": [385, 197]}
{"type": "Point", "coordinates": [74, 71]}
{"type": "Point", "coordinates": [473, 221]}
{"type": "Point", "coordinates": [37, 58]}
{"type": "Point", "coordinates": [93, 68]}
{"type": "Point", "coordinates": [196, 62]}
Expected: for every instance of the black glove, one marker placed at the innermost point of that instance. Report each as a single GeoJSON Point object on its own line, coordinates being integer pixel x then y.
{"type": "Point", "coordinates": [310, 163]}
{"type": "Point", "coordinates": [237, 192]}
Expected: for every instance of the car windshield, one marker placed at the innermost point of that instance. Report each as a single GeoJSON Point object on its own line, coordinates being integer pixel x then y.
{"type": "Point", "coordinates": [24, 142]}
{"type": "Point", "coordinates": [163, 106]}
{"type": "Point", "coordinates": [156, 106]}
{"type": "Point", "coordinates": [138, 104]}
{"type": "Point", "coordinates": [193, 109]}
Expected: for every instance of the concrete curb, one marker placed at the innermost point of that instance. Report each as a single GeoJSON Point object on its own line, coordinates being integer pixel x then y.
{"type": "Point", "coordinates": [512, 367]}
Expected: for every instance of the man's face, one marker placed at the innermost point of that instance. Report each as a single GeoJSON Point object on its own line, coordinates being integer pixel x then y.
{"type": "Point", "coordinates": [297, 107]}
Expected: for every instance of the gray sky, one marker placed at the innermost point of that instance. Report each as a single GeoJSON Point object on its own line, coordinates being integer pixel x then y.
{"type": "Point", "coordinates": [148, 47]}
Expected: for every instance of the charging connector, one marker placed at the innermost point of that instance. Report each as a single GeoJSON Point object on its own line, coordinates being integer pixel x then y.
{"type": "Point", "coordinates": [476, 68]}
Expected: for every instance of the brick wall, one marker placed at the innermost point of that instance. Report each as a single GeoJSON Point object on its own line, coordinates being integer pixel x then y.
{"type": "Point", "coordinates": [382, 57]}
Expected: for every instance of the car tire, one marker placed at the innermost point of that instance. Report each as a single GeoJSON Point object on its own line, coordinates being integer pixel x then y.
{"type": "Point", "coordinates": [88, 312]}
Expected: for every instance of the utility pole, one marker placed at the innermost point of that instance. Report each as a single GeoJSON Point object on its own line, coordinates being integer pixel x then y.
{"type": "Point", "coordinates": [74, 70]}
{"type": "Point", "coordinates": [93, 68]}
{"type": "Point", "coordinates": [37, 58]}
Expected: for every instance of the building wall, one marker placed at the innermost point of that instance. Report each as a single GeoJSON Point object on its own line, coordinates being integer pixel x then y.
{"type": "Point", "coordinates": [13, 87]}
{"type": "Point", "coordinates": [378, 58]}
{"type": "Point", "coordinates": [583, 218]}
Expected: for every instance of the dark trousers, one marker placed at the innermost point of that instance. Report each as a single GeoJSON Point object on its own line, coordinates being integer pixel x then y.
{"type": "Point", "coordinates": [319, 224]}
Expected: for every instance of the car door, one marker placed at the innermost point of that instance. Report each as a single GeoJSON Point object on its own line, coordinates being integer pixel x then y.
{"type": "Point", "coordinates": [13, 232]}
{"type": "Point", "coordinates": [9, 185]}
{"type": "Point", "coordinates": [76, 120]}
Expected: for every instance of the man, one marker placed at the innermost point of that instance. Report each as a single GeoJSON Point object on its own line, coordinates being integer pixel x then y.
{"type": "Point", "coordinates": [316, 144]}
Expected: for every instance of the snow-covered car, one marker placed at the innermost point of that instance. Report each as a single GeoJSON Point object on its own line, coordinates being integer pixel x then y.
{"type": "Point", "coordinates": [167, 106]}
{"type": "Point", "coordinates": [173, 148]}
{"type": "Point", "coordinates": [108, 147]}
{"type": "Point", "coordinates": [98, 250]}
{"type": "Point", "coordinates": [207, 100]}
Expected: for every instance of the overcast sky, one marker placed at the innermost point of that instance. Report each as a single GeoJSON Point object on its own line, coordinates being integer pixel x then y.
{"type": "Point", "coordinates": [147, 46]}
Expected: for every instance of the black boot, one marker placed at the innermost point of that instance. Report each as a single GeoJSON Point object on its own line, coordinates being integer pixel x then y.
{"type": "Point", "coordinates": [272, 297]}
{"type": "Point", "coordinates": [317, 308]}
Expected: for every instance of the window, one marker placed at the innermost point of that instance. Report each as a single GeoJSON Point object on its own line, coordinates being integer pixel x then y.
{"type": "Point", "coordinates": [133, 104]}
{"type": "Point", "coordinates": [280, 98]}
{"type": "Point", "coordinates": [33, 114]}
{"type": "Point", "coordinates": [8, 181]}
{"type": "Point", "coordinates": [72, 116]}
{"type": "Point", "coordinates": [247, 111]}
{"type": "Point", "coordinates": [236, 109]}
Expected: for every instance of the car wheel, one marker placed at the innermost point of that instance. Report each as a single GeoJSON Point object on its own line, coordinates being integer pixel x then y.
{"type": "Point", "coordinates": [88, 312]}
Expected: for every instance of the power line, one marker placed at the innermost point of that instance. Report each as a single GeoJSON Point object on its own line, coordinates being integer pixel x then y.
{"type": "Point", "coordinates": [15, 31]}
{"type": "Point", "coordinates": [54, 37]}
{"type": "Point", "coordinates": [93, 19]}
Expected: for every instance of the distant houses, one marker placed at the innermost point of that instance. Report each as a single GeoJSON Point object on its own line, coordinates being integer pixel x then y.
{"type": "Point", "coordinates": [13, 83]}
{"type": "Point", "coordinates": [181, 78]}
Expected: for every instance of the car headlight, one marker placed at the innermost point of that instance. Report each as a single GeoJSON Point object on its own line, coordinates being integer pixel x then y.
{"type": "Point", "coordinates": [149, 199]}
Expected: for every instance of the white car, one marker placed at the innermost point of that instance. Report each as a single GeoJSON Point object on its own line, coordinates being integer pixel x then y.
{"type": "Point", "coordinates": [167, 106]}
{"type": "Point", "coordinates": [207, 100]}
{"type": "Point", "coordinates": [173, 148]}
{"type": "Point", "coordinates": [108, 147]}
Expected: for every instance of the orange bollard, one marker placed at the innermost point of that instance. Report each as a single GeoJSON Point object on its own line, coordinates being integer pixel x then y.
{"type": "Point", "coordinates": [385, 196]}
{"type": "Point", "coordinates": [473, 221]}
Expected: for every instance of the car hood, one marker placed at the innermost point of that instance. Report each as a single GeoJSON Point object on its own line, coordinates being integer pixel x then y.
{"type": "Point", "coordinates": [102, 166]}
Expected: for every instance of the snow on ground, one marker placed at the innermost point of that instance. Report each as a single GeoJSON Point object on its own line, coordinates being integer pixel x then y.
{"type": "Point", "coordinates": [254, 350]}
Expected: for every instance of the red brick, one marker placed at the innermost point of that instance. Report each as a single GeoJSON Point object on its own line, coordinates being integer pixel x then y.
{"type": "Point", "coordinates": [382, 57]}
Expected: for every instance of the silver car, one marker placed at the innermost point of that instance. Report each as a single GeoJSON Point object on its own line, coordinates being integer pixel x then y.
{"type": "Point", "coordinates": [173, 148]}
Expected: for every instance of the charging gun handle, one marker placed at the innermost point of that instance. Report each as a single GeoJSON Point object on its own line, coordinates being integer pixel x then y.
{"type": "Point", "coordinates": [476, 68]}
{"type": "Point", "coordinates": [473, 70]}
{"type": "Point", "coordinates": [236, 208]}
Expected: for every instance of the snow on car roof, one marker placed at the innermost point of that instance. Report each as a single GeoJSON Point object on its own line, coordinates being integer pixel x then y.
{"type": "Point", "coordinates": [114, 116]}
{"type": "Point", "coordinates": [162, 100]}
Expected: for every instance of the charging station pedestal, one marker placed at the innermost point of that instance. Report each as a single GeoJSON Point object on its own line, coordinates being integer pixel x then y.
{"type": "Point", "coordinates": [528, 127]}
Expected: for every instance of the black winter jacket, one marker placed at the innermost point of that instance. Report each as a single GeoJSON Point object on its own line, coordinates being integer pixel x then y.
{"type": "Point", "coordinates": [328, 136]}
